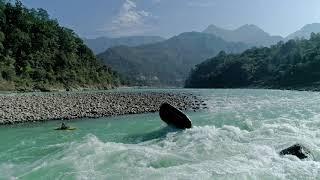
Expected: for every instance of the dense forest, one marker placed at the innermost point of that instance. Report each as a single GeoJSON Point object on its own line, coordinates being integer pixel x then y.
{"type": "Point", "coordinates": [291, 65]}
{"type": "Point", "coordinates": [36, 53]}
{"type": "Point", "coordinates": [166, 63]}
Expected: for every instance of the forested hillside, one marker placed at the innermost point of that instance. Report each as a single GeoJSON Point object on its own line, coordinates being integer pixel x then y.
{"type": "Point", "coordinates": [36, 53]}
{"type": "Point", "coordinates": [166, 63]}
{"type": "Point", "coordinates": [291, 65]}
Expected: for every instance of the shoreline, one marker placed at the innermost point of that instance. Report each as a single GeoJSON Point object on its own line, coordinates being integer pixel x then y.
{"type": "Point", "coordinates": [28, 108]}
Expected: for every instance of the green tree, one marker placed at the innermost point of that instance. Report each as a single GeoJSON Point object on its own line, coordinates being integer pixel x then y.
{"type": "Point", "coordinates": [37, 53]}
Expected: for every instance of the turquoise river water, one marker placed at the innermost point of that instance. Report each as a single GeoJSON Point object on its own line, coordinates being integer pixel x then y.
{"type": "Point", "coordinates": [237, 137]}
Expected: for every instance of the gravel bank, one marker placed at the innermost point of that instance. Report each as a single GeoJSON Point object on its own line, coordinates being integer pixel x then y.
{"type": "Point", "coordinates": [31, 108]}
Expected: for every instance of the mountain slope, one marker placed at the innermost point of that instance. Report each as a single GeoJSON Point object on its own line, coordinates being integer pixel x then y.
{"type": "Point", "coordinates": [249, 34]}
{"type": "Point", "coordinates": [167, 62]}
{"type": "Point", "coordinates": [291, 65]}
{"type": "Point", "coordinates": [305, 31]}
{"type": "Point", "coordinates": [101, 44]}
{"type": "Point", "coordinates": [36, 53]}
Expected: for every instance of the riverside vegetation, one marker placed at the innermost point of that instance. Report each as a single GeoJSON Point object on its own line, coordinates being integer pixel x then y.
{"type": "Point", "coordinates": [36, 53]}
{"type": "Point", "coordinates": [291, 65]}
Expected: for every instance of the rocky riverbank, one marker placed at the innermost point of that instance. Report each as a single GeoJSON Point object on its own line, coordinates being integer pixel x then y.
{"type": "Point", "coordinates": [42, 107]}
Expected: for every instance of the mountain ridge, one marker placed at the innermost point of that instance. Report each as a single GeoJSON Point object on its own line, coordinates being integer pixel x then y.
{"type": "Point", "coordinates": [305, 31]}
{"type": "Point", "coordinates": [167, 62]}
{"type": "Point", "coordinates": [248, 33]}
{"type": "Point", "coordinates": [100, 44]}
{"type": "Point", "coordinates": [258, 36]}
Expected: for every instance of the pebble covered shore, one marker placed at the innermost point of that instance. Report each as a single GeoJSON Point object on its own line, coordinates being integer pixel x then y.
{"type": "Point", "coordinates": [43, 107]}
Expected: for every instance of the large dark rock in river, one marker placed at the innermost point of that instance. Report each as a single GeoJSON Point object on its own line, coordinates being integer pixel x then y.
{"type": "Point", "coordinates": [174, 117]}
{"type": "Point", "coordinates": [296, 150]}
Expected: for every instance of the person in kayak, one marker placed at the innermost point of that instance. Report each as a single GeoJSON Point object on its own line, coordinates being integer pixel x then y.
{"type": "Point", "coordinates": [64, 126]}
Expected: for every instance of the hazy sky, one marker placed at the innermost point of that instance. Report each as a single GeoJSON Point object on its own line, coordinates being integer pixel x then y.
{"type": "Point", "coordinates": [91, 18]}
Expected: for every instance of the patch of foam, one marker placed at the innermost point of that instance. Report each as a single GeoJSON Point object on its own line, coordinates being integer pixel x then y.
{"type": "Point", "coordinates": [207, 152]}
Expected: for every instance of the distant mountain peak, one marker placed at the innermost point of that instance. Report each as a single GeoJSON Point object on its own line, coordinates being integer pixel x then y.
{"type": "Point", "coordinates": [248, 33]}
{"type": "Point", "coordinates": [251, 27]}
{"type": "Point", "coordinates": [101, 44]}
{"type": "Point", "coordinates": [212, 26]}
{"type": "Point", "coordinates": [305, 31]}
{"type": "Point", "coordinates": [170, 60]}
{"type": "Point", "coordinates": [245, 26]}
{"type": "Point", "coordinates": [312, 25]}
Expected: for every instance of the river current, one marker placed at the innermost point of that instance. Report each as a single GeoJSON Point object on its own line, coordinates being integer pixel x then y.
{"type": "Point", "coordinates": [239, 136]}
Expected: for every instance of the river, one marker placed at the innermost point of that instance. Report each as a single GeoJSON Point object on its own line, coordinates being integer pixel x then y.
{"type": "Point", "coordinates": [237, 137]}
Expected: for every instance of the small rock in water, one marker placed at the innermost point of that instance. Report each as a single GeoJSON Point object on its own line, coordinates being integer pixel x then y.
{"type": "Point", "coordinates": [296, 150]}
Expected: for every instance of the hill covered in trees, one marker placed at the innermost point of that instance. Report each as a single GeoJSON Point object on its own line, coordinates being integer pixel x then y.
{"type": "Point", "coordinates": [36, 53]}
{"type": "Point", "coordinates": [101, 44]}
{"type": "Point", "coordinates": [291, 65]}
{"type": "Point", "coordinates": [166, 63]}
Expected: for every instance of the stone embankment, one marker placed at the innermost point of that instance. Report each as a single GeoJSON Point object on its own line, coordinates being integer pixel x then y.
{"type": "Point", "coordinates": [31, 108]}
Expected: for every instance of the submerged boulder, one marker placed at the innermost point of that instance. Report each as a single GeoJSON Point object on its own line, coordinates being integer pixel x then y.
{"type": "Point", "coordinates": [296, 150]}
